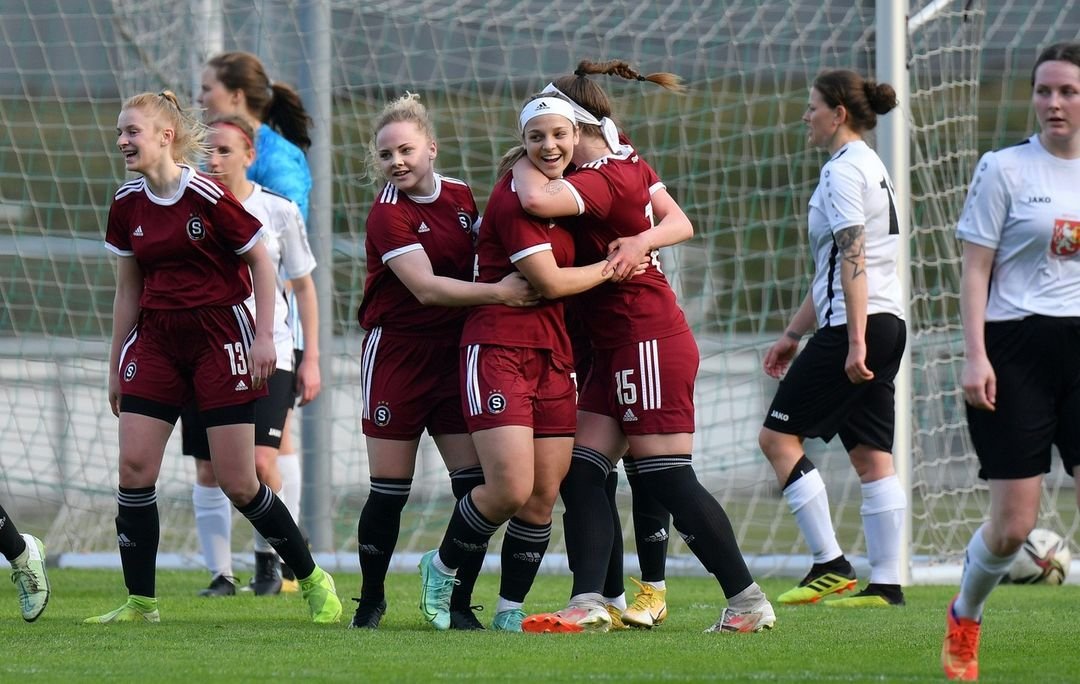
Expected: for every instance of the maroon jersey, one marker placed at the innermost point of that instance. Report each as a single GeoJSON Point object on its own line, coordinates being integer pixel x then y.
{"type": "Point", "coordinates": [615, 197]}
{"type": "Point", "coordinates": [188, 246]}
{"type": "Point", "coordinates": [442, 226]}
{"type": "Point", "coordinates": [508, 234]}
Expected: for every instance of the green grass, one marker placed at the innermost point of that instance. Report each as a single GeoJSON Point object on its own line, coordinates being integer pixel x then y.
{"type": "Point", "coordinates": [1030, 637]}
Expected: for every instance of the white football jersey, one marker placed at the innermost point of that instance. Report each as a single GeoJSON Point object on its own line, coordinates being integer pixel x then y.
{"type": "Point", "coordinates": [854, 189]}
{"type": "Point", "coordinates": [286, 240]}
{"type": "Point", "coordinates": [1025, 203]}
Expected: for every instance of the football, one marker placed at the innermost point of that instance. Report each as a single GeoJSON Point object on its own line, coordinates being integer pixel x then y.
{"type": "Point", "coordinates": [1043, 559]}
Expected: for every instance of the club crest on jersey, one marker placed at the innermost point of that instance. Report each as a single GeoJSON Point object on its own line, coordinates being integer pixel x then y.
{"type": "Point", "coordinates": [1066, 239]}
{"type": "Point", "coordinates": [496, 403]}
{"type": "Point", "coordinates": [464, 220]}
{"type": "Point", "coordinates": [381, 416]}
{"type": "Point", "coordinates": [195, 229]}
{"type": "Point", "coordinates": [129, 371]}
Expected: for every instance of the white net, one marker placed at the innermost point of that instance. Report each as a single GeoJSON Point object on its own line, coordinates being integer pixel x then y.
{"type": "Point", "coordinates": [732, 152]}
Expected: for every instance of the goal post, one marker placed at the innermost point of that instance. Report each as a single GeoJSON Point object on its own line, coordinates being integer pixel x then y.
{"type": "Point", "coordinates": [732, 151]}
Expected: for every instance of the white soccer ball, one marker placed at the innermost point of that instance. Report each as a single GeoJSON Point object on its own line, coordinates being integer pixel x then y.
{"type": "Point", "coordinates": [1043, 559]}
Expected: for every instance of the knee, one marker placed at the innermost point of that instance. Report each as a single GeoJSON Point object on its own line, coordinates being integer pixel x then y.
{"type": "Point", "coordinates": [773, 444]}
{"type": "Point", "coordinates": [508, 500]}
{"type": "Point", "coordinates": [240, 492]}
{"type": "Point", "coordinates": [135, 473]}
{"type": "Point", "coordinates": [1005, 539]}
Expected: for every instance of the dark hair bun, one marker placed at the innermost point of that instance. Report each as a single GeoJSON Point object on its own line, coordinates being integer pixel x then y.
{"type": "Point", "coordinates": [880, 96]}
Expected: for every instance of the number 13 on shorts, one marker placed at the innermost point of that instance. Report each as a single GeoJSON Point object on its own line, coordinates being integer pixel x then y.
{"type": "Point", "coordinates": [237, 355]}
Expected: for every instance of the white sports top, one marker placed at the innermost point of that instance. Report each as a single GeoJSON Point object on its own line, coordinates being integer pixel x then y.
{"type": "Point", "coordinates": [286, 240]}
{"type": "Point", "coordinates": [1025, 203]}
{"type": "Point", "coordinates": [854, 189]}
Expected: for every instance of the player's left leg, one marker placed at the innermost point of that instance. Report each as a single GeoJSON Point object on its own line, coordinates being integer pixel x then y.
{"type": "Point", "coordinates": [664, 462]}
{"type": "Point", "coordinates": [1014, 506]}
{"type": "Point", "coordinates": [529, 531]}
{"type": "Point", "coordinates": [883, 506]}
{"type": "Point", "coordinates": [463, 465]}
{"type": "Point", "coordinates": [231, 432]}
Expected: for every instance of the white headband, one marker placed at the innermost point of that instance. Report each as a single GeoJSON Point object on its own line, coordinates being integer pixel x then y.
{"type": "Point", "coordinates": [582, 115]}
{"type": "Point", "coordinates": [542, 106]}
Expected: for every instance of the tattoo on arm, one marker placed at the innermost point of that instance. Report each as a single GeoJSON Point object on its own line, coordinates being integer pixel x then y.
{"type": "Point", "coordinates": [553, 188]}
{"type": "Point", "coordinates": [852, 244]}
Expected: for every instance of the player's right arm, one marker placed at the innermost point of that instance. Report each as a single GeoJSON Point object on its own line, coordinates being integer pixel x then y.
{"type": "Point", "coordinates": [129, 288]}
{"type": "Point", "coordinates": [541, 196]}
{"type": "Point", "coordinates": [414, 270]}
{"type": "Point", "coordinates": [978, 378]}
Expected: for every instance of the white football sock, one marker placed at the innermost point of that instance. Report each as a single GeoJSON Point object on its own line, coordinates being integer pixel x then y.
{"type": "Point", "coordinates": [883, 507]}
{"type": "Point", "coordinates": [213, 522]}
{"type": "Point", "coordinates": [291, 483]}
{"type": "Point", "coordinates": [809, 502]}
{"type": "Point", "coordinates": [982, 572]}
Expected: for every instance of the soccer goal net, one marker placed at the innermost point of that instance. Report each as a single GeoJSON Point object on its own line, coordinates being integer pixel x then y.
{"type": "Point", "coordinates": [732, 151]}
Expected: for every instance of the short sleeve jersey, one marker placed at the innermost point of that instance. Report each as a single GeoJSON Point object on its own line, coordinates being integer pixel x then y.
{"type": "Point", "coordinates": [285, 238]}
{"type": "Point", "coordinates": [506, 235]}
{"type": "Point", "coordinates": [442, 226]}
{"type": "Point", "coordinates": [1024, 203]}
{"type": "Point", "coordinates": [614, 195]}
{"type": "Point", "coordinates": [282, 167]}
{"type": "Point", "coordinates": [188, 246]}
{"type": "Point", "coordinates": [854, 189]}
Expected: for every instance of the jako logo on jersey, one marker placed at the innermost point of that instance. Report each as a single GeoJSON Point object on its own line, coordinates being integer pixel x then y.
{"type": "Point", "coordinates": [779, 416]}
{"type": "Point", "coordinates": [496, 403]}
{"type": "Point", "coordinates": [465, 221]}
{"type": "Point", "coordinates": [137, 232]}
{"type": "Point", "coordinates": [381, 417]}
{"type": "Point", "coordinates": [1034, 199]}
{"type": "Point", "coordinates": [274, 432]}
{"type": "Point", "coordinates": [195, 229]}
{"type": "Point", "coordinates": [129, 371]}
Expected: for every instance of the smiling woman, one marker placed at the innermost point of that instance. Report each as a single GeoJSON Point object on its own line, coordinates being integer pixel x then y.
{"type": "Point", "coordinates": [419, 247]}
{"type": "Point", "coordinates": [187, 256]}
{"type": "Point", "coordinates": [517, 383]}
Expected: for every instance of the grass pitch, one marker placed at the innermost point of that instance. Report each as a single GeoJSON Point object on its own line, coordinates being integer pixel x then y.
{"type": "Point", "coordinates": [1030, 637]}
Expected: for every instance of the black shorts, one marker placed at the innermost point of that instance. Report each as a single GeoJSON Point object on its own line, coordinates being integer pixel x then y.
{"type": "Point", "coordinates": [816, 398]}
{"type": "Point", "coordinates": [1038, 398]}
{"type": "Point", "coordinates": [270, 412]}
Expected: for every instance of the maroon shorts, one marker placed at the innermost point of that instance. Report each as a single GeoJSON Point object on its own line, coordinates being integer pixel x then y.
{"type": "Point", "coordinates": [648, 386]}
{"type": "Point", "coordinates": [175, 356]}
{"type": "Point", "coordinates": [518, 386]}
{"type": "Point", "coordinates": [409, 384]}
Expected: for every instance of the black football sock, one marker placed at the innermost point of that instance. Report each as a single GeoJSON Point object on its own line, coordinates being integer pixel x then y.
{"type": "Point", "coordinates": [273, 521]}
{"type": "Point", "coordinates": [522, 551]}
{"type": "Point", "coordinates": [137, 534]}
{"type": "Point", "coordinates": [377, 532]}
{"type": "Point", "coordinates": [462, 482]}
{"type": "Point", "coordinates": [698, 517]}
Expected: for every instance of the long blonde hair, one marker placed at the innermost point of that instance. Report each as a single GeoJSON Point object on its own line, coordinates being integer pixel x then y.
{"type": "Point", "coordinates": [189, 134]}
